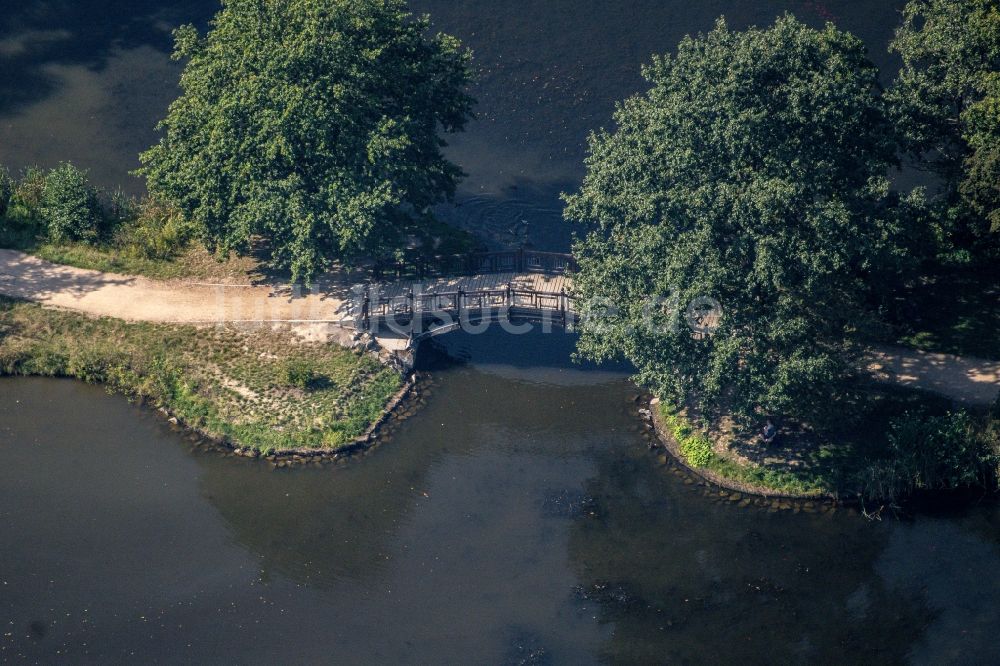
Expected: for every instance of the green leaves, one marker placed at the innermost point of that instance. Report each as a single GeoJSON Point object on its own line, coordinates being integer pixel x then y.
{"type": "Point", "coordinates": [752, 172]}
{"type": "Point", "coordinates": [946, 103]}
{"type": "Point", "coordinates": [315, 123]}
{"type": "Point", "coordinates": [70, 205]}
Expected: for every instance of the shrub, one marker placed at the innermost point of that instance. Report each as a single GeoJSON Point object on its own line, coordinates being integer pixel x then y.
{"type": "Point", "coordinates": [299, 374]}
{"type": "Point", "coordinates": [938, 451]}
{"type": "Point", "coordinates": [30, 190]}
{"type": "Point", "coordinates": [696, 448]}
{"type": "Point", "coordinates": [933, 453]}
{"type": "Point", "coordinates": [88, 365]}
{"type": "Point", "coordinates": [154, 230]}
{"type": "Point", "coordinates": [70, 205]}
{"type": "Point", "coordinates": [119, 209]}
{"type": "Point", "coordinates": [990, 437]}
{"type": "Point", "coordinates": [20, 221]}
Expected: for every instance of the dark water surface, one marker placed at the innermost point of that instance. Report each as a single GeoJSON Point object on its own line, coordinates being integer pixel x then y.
{"type": "Point", "coordinates": [519, 517]}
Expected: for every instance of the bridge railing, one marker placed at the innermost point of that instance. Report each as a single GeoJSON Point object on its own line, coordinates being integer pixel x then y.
{"type": "Point", "coordinates": [510, 301]}
{"type": "Point", "coordinates": [509, 261]}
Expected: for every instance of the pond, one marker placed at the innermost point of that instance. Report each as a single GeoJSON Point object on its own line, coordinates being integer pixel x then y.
{"type": "Point", "coordinates": [518, 517]}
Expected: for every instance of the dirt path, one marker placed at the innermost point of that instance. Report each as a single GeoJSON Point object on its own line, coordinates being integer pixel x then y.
{"type": "Point", "coordinates": [967, 380]}
{"type": "Point", "coordinates": [141, 299]}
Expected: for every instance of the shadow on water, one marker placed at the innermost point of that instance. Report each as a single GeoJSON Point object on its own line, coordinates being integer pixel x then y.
{"type": "Point", "coordinates": [37, 35]}
{"type": "Point", "coordinates": [527, 213]}
{"type": "Point", "coordinates": [317, 526]}
{"type": "Point", "coordinates": [534, 356]}
{"type": "Point", "coordinates": [680, 576]}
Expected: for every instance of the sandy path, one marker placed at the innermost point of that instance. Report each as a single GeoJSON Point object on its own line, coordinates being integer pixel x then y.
{"type": "Point", "coordinates": [967, 380]}
{"type": "Point", "coordinates": [140, 299]}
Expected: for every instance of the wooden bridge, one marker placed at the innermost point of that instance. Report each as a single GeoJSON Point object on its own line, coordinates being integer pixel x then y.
{"type": "Point", "coordinates": [490, 287]}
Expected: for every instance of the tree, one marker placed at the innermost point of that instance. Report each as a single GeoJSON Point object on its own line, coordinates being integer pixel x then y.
{"type": "Point", "coordinates": [6, 190]}
{"type": "Point", "coordinates": [70, 206]}
{"type": "Point", "coordinates": [315, 123]}
{"type": "Point", "coordinates": [980, 187]}
{"type": "Point", "coordinates": [752, 172]}
{"type": "Point", "coordinates": [946, 101]}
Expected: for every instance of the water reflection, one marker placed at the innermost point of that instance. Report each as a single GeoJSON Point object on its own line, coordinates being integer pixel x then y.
{"type": "Point", "coordinates": [323, 525]}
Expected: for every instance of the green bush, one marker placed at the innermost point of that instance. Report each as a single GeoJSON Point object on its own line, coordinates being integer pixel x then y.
{"type": "Point", "coordinates": [939, 451]}
{"type": "Point", "coordinates": [30, 190]}
{"type": "Point", "coordinates": [299, 374]}
{"type": "Point", "coordinates": [696, 448]}
{"type": "Point", "coordinates": [946, 452]}
{"type": "Point", "coordinates": [88, 365]}
{"type": "Point", "coordinates": [21, 223]}
{"type": "Point", "coordinates": [154, 230]}
{"type": "Point", "coordinates": [70, 206]}
{"type": "Point", "coordinates": [698, 451]}
{"type": "Point", "coordinates": [61, 216]}
{"type": "Point", "coordinates": [119, 209]}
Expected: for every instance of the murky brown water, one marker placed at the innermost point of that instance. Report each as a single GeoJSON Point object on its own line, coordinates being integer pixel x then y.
{"type": "Point", "coordinates": [518, 518]}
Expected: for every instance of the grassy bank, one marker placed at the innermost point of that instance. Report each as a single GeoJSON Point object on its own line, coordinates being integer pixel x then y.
{"type": "Point", "coordinates": [698, 452]}
{"type": "Point", "coordinates": [190, 262]}
{"type": "Point", "coordinates": [261, 389]}
{"type": "Point", "coordinates": [900, 441]}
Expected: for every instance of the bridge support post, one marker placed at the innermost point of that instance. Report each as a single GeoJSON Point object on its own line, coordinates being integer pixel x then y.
{"type": "Point", "coordinates": [415, 319]}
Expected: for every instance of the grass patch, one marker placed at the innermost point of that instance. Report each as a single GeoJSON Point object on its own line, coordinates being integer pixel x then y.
{"type": "Point", "coordinates": [192, 262]}
{"type": "Point", "coordinates": [231, 384]}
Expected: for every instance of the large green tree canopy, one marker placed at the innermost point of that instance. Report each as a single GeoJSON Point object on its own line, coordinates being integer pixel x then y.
{"type": "Point", "coordinates": [752, 172]}
{"type": "Point", "coordinates": [315, 123]}
{"type": "Point", "coordinates": [946, 102]}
